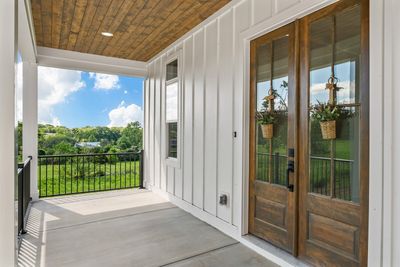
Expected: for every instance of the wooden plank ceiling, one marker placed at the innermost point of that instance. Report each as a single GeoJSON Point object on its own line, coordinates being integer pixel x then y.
{"type": "Point", "coordinates": [141, 28]}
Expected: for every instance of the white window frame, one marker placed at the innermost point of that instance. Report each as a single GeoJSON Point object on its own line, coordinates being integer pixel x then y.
{"type": "Point", "coordinates": [173, 162]}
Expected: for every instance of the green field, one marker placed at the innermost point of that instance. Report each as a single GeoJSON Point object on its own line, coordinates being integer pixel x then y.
{"type": "Point", "coordinates": [81, 177]}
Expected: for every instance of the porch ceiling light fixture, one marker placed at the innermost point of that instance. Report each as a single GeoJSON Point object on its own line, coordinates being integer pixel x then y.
{"type": "Point", "coordinates": [107, 34]}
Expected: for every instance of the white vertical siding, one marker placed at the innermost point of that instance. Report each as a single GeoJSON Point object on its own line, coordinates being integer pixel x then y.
{"type": "Point", "coordinates": [170, 179]}
{"type": "Point", "coordinates": [151, 125]}
{"type": "Point", "coordinates": [198, 124]}
{"type": "Point", "coordinates": [241, 23]}
{"type": "Point", "coordinates": [225, 114]}
{"type": "Point", "coordinates": [212, 68]}
{"type": "Point", "coordinates": [157, 122]}
{"type": "Point", "coordinates": [163, 150]}
{"type": "Point", "coordinates": [146, 134]}
{"type": "Point", "coordinates": [211, 118]}
{"type": "Point", "coordinates": [188, 120]}
{"type": "Point", "coordinates": [261, 10]}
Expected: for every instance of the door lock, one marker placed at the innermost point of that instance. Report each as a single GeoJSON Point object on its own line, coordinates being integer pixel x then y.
{"type": "Point", "coordinates": [290, 168]}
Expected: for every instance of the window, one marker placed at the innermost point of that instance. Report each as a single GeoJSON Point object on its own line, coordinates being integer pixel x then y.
{"type": "Point", "coordinates": [172, 109]}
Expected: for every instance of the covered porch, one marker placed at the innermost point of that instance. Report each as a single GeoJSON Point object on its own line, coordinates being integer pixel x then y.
{"type": "Point", "coordinates": [125, 228]}
{"type": "Point", "coordinates": [191, 202]}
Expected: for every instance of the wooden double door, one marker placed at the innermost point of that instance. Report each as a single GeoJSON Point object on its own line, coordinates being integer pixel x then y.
{"type": "Point", "coordinates": [308, 193]}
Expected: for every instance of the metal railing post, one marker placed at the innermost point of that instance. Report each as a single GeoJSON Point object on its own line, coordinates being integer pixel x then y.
{"type": "Point", "coordinates": [141, 167]}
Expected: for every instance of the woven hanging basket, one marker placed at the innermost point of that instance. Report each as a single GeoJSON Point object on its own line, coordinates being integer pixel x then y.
{"type": "Point", "coordinates": [328, 129]}
{"type": "Point", "coordinates": [267, 130]}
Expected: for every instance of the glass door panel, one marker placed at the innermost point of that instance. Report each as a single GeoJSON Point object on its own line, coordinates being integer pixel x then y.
{"type": "Point", "coordinates": [272, 111]}
{"type": "Point", "coordinates": [334, 61]}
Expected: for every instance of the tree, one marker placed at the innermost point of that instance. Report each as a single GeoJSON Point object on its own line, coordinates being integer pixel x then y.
{"type": "Point", "coordinates": [64, 148]}
{"type": "Point", "coordinates": [62, 140]}
{"type": "Point", "coordinates": [132, 136]}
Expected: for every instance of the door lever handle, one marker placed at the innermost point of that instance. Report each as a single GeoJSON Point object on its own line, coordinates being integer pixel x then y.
{"type": "Point", "coordinates": [290, 168]}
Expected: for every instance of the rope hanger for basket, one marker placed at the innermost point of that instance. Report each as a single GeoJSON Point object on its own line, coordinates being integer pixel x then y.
{"type": "Point", "coordinates": [332, 82]}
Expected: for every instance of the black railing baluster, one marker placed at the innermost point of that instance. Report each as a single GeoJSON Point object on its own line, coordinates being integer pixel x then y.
{"type": "Point", "coordinates": [125, 171]}
{"type": "Point", "coordinates": [110, 176]}
{"type": "Point", "coordinates": [52, 176]}
{"type": "Point", "coordinates": [59, 175]}
{"type": "Point", "coordinates": [40, 177]}
{"type": "Point", "coordinates": [46, 176]}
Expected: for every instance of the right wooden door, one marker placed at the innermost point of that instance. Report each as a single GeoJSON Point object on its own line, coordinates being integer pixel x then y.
{"type": "Point", "coordinates": [333, 160]}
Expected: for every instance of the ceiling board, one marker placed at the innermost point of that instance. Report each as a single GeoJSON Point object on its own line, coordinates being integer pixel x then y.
{"type": "Point", "coordinates": [141, 28]}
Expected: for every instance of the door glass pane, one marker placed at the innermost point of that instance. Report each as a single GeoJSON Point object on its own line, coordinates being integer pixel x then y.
{"type": "Point", "coordinates": [263, 85]}
{"type": "Point", "coordinates": [335, 53]}
{"type": "Point", "coordinates": [272, 125]}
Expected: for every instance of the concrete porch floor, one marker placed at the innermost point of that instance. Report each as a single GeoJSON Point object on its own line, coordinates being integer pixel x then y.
{"type": "Point", "coordinates": [125, 228]}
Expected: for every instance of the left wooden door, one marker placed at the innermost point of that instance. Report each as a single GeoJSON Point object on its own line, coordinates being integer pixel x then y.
{"type": "Point", "coordinates": [273, 99]}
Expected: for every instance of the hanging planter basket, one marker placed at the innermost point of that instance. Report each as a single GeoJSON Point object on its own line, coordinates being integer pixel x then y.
{"type": "Point", "coordinates": [267, 130]}
{"type": "Point", "coordinates": [328, 129]}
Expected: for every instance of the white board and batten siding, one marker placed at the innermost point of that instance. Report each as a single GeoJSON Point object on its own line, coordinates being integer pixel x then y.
{"type": "Point", "coordinates": [214, 69]}
{"type": "Point", "coordinates": [213, 107]}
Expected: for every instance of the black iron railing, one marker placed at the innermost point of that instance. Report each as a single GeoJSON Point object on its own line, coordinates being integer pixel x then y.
{"type": "Point", "coordinates": [272, 168]}
{"type": "Point", "coordinates": [320, 175]}
{"type": "Point", "coordinates": [84, 173]}
{"type": "Point", "coordinates": [24, 196]}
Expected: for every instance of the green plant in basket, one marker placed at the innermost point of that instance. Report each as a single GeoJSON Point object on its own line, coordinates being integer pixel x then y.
{"type": "Point", "coordinates": [327, 115]}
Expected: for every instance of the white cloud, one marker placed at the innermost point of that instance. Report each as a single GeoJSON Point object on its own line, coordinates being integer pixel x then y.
{"type": "Point", "coordinates": [55, 85]}
{"type": "Point", "coordinates": [126, 92]}
{"type": "Point", "coordinates": [123, 114]}
{"type": "Point", "coordinates": [105, 81]}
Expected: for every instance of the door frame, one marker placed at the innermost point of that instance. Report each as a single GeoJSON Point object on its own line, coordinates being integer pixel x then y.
{"type": "Point", "coordinates": [366, 156]}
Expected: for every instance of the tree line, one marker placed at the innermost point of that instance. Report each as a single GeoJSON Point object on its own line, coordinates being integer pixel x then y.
{"type": "Point", "coordinates": [59, 140]}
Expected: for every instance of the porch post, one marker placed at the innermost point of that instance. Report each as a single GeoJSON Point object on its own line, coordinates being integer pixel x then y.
{"type": "Point", "coordinates": [8, 168]}
{"type": "Point", "coordinates": [30, 121]}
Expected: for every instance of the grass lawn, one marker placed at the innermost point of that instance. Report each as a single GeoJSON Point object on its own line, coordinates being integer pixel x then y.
{"type": "Point", "coordinates": [82, 177]}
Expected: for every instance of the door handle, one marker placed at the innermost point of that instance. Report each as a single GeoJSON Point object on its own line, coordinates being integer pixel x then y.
{"type": "Point", "coordinates": [290, 168]}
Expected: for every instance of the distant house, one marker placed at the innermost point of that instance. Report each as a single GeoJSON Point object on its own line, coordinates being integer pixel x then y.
{"type": "Point", "coordinates": [88, 144]}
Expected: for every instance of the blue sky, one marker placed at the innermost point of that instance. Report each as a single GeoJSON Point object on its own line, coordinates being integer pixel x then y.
{"type": "Point", "coordinates": [76, 99]}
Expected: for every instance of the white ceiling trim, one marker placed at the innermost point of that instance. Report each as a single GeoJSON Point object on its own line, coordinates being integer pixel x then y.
{"type": "Point", "coordinates": [26, 36]}
{"type": "Point", "coordinates": [65, 59]}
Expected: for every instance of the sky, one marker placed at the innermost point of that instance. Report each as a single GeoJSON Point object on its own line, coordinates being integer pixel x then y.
{"type": "Point", "coordinates": [76, 99]}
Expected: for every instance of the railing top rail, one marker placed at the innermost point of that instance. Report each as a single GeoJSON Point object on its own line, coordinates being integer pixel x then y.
{"type": "Point", "coordinates": [26, 162]}
{"type": "Point", "coordinates": [89, 155]}
{"type": "Point", "coordinates": [336, 159]}
{"type": "Point", "coordinates": [312, 157]}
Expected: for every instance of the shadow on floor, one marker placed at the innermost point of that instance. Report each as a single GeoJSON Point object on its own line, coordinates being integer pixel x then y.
{"type": "Point", "coordinates": [125, 228]}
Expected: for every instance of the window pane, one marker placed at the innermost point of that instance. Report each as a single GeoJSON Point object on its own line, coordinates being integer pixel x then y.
{"type": "Point", "coordinates": [263, 86]}
{"type": "Point", "coordinates": [172, 70]}
{"type": "Point", "coordinates": [172, 139]}
{"type": "Point", "coordinates": [172, 102]}
{"type": "Point", "coordinates": [334, 163]}
{"type": "Point", "coordinates": [272, 64]}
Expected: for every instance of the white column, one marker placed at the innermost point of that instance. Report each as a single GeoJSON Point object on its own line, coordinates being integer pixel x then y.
{"type": "Point", "coordinates": [30, 121]}
{"type": "Point", "coordinates": [395, 152]}
{"type": "Point", "coordinates": [7, 133]}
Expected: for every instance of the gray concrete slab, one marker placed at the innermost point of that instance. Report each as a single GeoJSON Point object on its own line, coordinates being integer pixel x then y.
{"type": "Point", "coordinates": [236, 255]}
{"type": "Point", "coordinates": [124, 228]}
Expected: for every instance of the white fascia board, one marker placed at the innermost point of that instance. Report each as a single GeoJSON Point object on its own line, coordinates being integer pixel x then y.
{"type": "Point", "coordinates": [26, 33]}
{"type": "Point", "coordinates": [65, 59]}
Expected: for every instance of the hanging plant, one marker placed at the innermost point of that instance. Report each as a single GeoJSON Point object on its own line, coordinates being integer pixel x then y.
{"type": "Point", "coordinates": [266, 120]}
{"type": "Point", "coordinates": [327, 115]}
